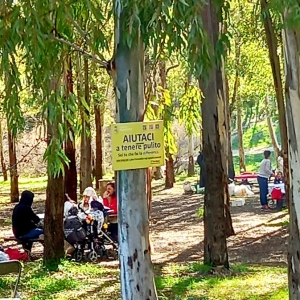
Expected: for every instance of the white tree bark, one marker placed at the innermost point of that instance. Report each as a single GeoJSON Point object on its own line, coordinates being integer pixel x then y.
{"type": "Point", "coordinates": [292, 72]}
{"type": "Point", "coordinates": [137, 277]}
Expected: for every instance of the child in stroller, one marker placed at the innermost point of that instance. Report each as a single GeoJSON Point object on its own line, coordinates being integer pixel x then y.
{"type": "Point", "coordinates": [85, 231]}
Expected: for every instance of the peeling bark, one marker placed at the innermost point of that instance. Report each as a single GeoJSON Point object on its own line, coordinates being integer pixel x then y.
{"type": "Point", "coordinates": [292, 88]}
{"type": "Point", "coordinates": [215, 224]}
{"type": "Point", "coordinates": [70, 180]}
{"type": "Point", "coordinates": [85, 147]}
{"type": "Point", "coordinates": [53, 224]}
{"type": "Point", "coordinates": [136, 272]}
{"type": "Point", "coordinates": [272, 43]}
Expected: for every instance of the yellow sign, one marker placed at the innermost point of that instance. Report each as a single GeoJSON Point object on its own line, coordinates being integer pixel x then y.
{"type": "Point", "coordinates": [137, 145]}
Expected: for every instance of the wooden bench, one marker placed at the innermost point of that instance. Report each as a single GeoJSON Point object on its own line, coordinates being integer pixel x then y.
{"type": "Point", "coordinates": [14, 239]}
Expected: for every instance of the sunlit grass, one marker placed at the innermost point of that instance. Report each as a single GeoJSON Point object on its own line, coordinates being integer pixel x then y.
{"type": "Point", "coordinates": [173, 281]}
{"type": "Point", "coordinates": [244, 283]}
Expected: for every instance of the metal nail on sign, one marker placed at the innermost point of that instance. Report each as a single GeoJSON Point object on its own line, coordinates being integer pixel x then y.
{"type": "Point", "coordinates": [137, 145]}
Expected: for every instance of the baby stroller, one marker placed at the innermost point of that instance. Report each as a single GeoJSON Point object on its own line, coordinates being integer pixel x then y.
{"type": "Point", "coordinates": [76, 235]}
{"type": "Point", "coordinates": [98, 238]}
{"type": "Point", "coordinates": [107, 239]}
{"type": "Point", "coordinates": [102, 237]}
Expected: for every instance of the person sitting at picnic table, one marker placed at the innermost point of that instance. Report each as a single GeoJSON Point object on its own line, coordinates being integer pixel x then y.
{"type": "Point", "coordinates": [279, 178]}
{"type": "Point", "coordinates": [89, 195]}
{"type": "Point", "coordinates": [264, 173]}
{"type": "Point", "coordinates": [110, 201]}
{"type": "Point", "coordinates": [110, 198]}
{"type": "Point", "coordinates": [24, 221]}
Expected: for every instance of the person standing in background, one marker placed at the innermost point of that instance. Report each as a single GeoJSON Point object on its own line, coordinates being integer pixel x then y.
{"type": "Point", "coordinates": [264, 173]}
{"type": "Point", "coordinates": [200, 162]}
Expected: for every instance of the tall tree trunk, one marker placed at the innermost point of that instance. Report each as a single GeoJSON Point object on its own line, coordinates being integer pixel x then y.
{"type": "Point", "coordinates": [224, 129]}
{"type": "Point", "coordinates": [170, 172]}
{"type": "Point", "coordinates": [271, 129]}
{"type": "Point", "coordinates": [158, 173]}
{"type": "Point", "coordinates": [70, 181]}
{"type": "Point", "coordinates": [13, 168]}
{"type": "Point", "coordinates": [137, 277]}
{"type": "Point", "coordinates": [215, 225]}
{"type": "Point", "coordinates": [86, 150]}
{"type": "Point", "coordinates": [170, 177]}
{"type": "Point", "coordinates": [99, 155]}
{"type": "Point", "coordinates": [53, 225]}
{"type": "Point", "coordinates": [240, 137]}
{"type": "Point", "coordinates": [278, 85]}
{"type": "Point", "coordinates": [3, 165]}
{"type": "Point", "coordinates": [191, 165]}
{"type": "Point", "coordinates": [292, 88]}
{"type": "Point", "coordinates": [232, 105]}
{"type": "Point", "coordinates": [231, 172]}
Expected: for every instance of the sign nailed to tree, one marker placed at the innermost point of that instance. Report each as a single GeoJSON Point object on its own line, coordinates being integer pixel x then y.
{"type": "Point", "coordinates": [137, 145]}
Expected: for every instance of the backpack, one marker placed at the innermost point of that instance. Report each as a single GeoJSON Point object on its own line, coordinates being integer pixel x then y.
{"type": "Point", "coordinates": [73, 230]}
{"type": "Point", "coordinates": [16, 254]}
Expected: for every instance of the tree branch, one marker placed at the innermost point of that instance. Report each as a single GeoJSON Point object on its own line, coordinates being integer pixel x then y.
{"type": "Point", "coordinates": [21, 160]}
{"type": "Point", "coordinates": [83, 34]}
{"type": "Point", "coordinates": [170, 68]}
{"type": "Point", "coordinates": [94, 58]}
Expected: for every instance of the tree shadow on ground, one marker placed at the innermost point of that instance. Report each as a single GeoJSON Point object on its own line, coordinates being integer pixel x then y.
{"type": "Point", "coordinates": [259, 243]}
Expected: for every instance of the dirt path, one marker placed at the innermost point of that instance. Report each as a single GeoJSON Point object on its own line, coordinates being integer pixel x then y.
{"type": "Point", "coordinates": [177, 232]}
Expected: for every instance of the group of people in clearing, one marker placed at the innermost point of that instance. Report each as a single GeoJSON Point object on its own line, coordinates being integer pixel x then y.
{"type": "Point", "coordinates": [26, 225]}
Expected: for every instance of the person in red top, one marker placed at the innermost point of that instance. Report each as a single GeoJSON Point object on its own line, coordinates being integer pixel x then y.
{"type": "Point", "coordinates": [110, 198]}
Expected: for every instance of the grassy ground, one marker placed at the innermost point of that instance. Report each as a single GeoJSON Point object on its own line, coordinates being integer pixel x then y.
{"type": "Point", "coordinates": [37, 185]}
{"type": "Point", "coordinates": [256, 136]}
{"type": "Point", "coordinates": [174, 281]}
{"type": "Point", "coordinates": [252, 162]}
{"type": "Point", "coordinates": [186, 282]}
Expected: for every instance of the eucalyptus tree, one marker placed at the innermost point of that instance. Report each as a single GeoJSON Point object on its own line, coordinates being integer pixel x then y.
{"type": "Point", "coordinates": [214, 138]}
{"type": "Point", "coordinates": [291, 38]}
{"type": "Point", "coordinates": [274, 40]}
{"type": "Point", "coordinates": [175, 25]}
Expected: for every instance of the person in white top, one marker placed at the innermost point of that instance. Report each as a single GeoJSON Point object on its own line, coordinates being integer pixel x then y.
{"type": "Point", "coordinates": [264, 173]}
{"type": "Point", "coordinates": [280, 162]}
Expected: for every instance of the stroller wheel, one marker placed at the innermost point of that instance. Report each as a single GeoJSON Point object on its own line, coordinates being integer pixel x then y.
{"type": "Point", "coordinates": [115, 254]}
{"type": "Point", "coordinates": [92, 256]}
{"type": "Point", "coordinates": [102, 252]}
{"type": "Point", "coordinates": [78, 255]}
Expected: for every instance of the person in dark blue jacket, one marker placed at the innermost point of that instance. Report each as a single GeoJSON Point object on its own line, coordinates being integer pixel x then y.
{"type": "Point", "coordinates": [24, 220]}
{"type": "Point", "coordinates": [200, 162]}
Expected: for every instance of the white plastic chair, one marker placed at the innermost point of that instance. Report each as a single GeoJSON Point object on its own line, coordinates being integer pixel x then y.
{"type": "Point", "coordinates": [9, 267]}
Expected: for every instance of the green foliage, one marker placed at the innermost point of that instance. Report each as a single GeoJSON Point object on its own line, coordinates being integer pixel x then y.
{"type": "Point", "coordinates": [200, 212]}
{"type": "Point", "coordinates": [255, 135]}
{"type": "Point", "coordinates": [253, 161]}
{"type": "Point", "coordinates": [247, 63]}
{"type": "Point", "coordinates": [189, 110]}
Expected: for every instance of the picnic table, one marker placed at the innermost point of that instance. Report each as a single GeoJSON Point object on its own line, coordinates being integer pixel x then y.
{"type": "Point", "coordinates": [245, 176]}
